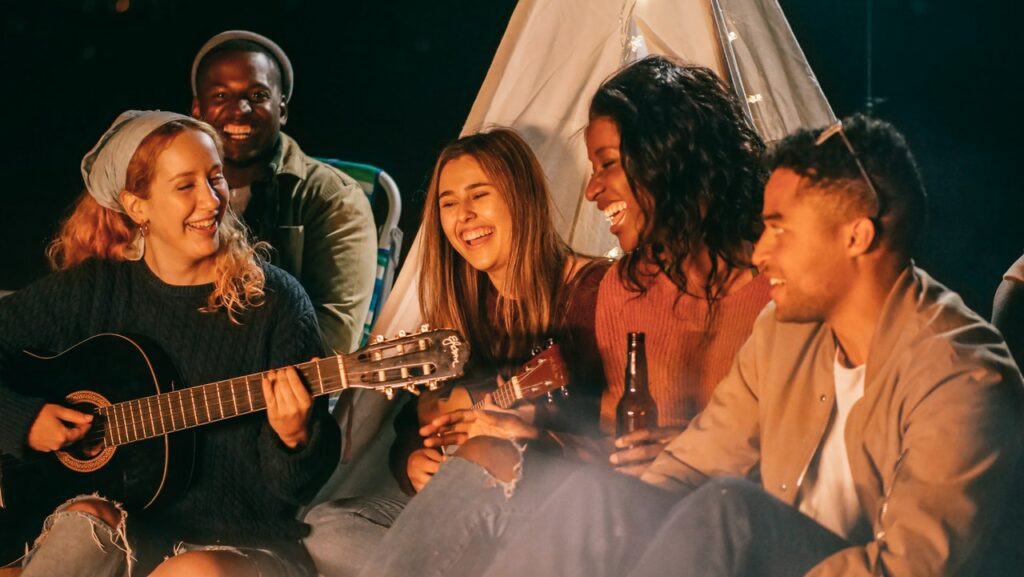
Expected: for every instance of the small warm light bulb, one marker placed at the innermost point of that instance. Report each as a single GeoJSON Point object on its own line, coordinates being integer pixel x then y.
{"type": "Point", "coordinates": [122, 5]}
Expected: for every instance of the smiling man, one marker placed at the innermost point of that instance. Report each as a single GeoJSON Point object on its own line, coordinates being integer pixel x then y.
{"type": "Point", "coordinates": [316, 218]}
{"type": "Point", "coordinates": [882, 417]}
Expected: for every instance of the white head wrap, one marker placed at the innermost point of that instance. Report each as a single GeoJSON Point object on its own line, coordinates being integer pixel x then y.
{"type": "Point", "coordinates": [105, 167]}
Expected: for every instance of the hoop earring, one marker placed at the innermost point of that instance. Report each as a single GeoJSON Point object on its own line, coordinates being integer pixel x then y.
{"type": "Point", "coordinates": [144, 228]}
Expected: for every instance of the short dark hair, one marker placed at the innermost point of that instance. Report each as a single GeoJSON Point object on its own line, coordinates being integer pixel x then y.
{"type": "Point", "coordinates": [241, 45]}
{"type": "Point", "coordinates": [885, 156]}
{"type": "Point", "coordinates": [695, 166]}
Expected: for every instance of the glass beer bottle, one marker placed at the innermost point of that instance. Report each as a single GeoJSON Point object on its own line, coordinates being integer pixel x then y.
{"type": "Point", "coordinates": [636, 410]}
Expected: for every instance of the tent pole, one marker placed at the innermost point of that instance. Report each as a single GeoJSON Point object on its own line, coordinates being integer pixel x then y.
{"type": "Point", "coordinates": [735, 80]}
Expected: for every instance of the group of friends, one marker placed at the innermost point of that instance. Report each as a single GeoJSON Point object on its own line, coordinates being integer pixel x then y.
{"type": "Point", "coordinates": [825, 407]}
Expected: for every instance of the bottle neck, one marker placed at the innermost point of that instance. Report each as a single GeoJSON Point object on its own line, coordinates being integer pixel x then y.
{"type": "Point", "coordinates": [636, 368]}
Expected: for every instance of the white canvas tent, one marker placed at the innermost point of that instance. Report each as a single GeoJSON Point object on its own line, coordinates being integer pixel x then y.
{"type": "Point", "coordinates": [554, 55]}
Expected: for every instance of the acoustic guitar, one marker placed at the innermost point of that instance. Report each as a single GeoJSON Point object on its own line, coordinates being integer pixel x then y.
{"type": "Point", "coordinates": [139, 449]}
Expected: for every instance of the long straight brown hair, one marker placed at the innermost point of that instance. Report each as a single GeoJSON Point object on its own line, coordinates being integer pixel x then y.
{"type": "Point", "coordinates": [454, 294]}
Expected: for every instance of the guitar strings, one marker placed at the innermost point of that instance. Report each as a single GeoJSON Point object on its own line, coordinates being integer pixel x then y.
{"type": "Point", "coordinates": [10, 462]}
{"type": "Point", "coordinates": [139, 414]}
{"type": "Point", "coordinates": [99, 432]}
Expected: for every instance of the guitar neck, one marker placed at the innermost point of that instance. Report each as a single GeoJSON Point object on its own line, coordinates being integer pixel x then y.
{"type": "Point", "coordinates": [504, 396]}
{"type": "Point", "coordinates": [157, 415]}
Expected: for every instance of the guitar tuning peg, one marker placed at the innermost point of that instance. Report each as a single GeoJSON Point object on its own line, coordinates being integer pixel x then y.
{"type": "Point", "coordinates": [401, 334]}
{"type": "Point", "coordinates": [378, 339]}
{"type": "Point", "coordinates": [412, 389]}
{"type": "Point", "coordinates": [390, 394]}
{"type": "Point", "coordinates": [549, 343]}
{"type": "Point", "coordinates": [565, 392]}
{"type": "Point", "coordinates": [535, 351]}
{"type": "Point", "coordinates": [433, 385]}
{"type": "Point", "coordinates": [424, 328]}
{"type": "Point", "coordinates": [551, 397]}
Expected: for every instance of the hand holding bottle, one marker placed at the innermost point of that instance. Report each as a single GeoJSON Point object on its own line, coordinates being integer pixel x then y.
{"type": "Point", "coordinates": [636, 451]}
{"type": "Point", "coordinates": [639, 439]}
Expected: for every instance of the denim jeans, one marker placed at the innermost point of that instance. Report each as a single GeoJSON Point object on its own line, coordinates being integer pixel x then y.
{"type": "Point", "coordinates": [553, 521]}
{"type": "Point", "coordinates": [563, 519]}
{"type": "Point", "coordinates": [78, 544]}
{"type": "Point", "coordinates": [732, 527]}
{"type": "Point", "coordinates": [345, 532]}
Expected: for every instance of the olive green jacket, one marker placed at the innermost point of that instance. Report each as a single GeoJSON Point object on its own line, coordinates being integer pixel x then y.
{"type": "Point", "coordinates": [319, 223]}
{"type": "Point", "coordinates": [933, 444]}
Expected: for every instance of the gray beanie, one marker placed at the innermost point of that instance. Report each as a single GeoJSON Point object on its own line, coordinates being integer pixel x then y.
{"type": "Point", "coordinates": [287, 76]}
{"type": "Point", "coordinates": [105, 167]}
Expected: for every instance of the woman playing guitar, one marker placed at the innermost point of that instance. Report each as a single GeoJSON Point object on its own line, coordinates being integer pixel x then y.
{"type": "Point", "coordinates": [152, 249]}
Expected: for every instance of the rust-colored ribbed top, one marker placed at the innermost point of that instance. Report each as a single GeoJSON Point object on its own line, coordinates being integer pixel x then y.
{"type": "Point", "coordinates": [683, 363]}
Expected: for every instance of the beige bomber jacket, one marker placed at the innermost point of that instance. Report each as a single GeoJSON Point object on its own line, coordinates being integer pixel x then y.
{"type": "Point", "coordinates": [933, 445]}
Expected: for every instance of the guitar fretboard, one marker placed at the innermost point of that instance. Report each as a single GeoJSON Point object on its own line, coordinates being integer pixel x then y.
{"type": "Point", "coordinates": [157, 415]}
{"type": "Point", "coordinates": [504, 396]}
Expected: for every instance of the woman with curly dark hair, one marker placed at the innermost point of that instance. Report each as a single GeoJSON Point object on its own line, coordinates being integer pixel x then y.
{"type": "Point", "coordinates": [678, 174]}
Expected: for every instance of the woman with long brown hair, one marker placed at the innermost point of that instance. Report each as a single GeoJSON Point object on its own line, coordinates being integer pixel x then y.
{"type": "Point", "coordinates": [496, 270]}
{"type": "Point", "coordinates": [152, 249]}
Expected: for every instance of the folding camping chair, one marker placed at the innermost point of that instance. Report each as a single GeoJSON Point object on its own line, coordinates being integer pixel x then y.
{"type": "Point", "coordinates": [383, 194]}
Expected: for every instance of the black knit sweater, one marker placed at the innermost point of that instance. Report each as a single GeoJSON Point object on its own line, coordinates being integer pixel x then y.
{"type": "Point", "coordinates": [247, 486]}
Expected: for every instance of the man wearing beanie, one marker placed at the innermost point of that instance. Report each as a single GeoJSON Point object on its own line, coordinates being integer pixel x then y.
{"type": "Point", "coordinates": [316, 218]}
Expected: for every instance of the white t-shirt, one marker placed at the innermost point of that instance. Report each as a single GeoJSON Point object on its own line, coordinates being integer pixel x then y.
{"type": "Point", "coordinates": [827, 494]}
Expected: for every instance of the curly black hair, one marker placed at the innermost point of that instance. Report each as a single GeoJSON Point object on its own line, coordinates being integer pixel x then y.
{"type": "Point", "coordinates": [885, 156]}
{"type": "Point", "coordinates": [695, 165]}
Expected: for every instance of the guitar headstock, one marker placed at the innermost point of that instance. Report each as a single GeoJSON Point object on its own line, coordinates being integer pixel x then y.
{"type": "Point", "coordinates": [403, 362]}
{"type": "Point", "coordinates": [541, 375]}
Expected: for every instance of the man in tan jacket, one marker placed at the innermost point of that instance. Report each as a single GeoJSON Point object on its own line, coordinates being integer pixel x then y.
{"type": "Point", "coordinates": [871, 425]}
{"type": "Point", "coordinates": [881, 415]}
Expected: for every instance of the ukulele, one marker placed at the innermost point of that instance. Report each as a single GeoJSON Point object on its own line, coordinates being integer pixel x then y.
{"type": "Point", "coordinates": [541, 375]}
{"type": "Point", "coordinates": [139, 449]}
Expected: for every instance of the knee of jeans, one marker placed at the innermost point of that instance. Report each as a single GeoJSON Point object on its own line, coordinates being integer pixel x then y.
{"type": "Point", "coordinates": [500, 457]}
{"type": "Point", "coordinates": [348, 511]}
{"type": "Point", "coordinates": [105, 520]}
{"type": "Point", "coordinates": [214, 563]}
{"type": "Point", "coordinates": [99, 508]}
{"type": "Point", "coordinates": [728, 494]}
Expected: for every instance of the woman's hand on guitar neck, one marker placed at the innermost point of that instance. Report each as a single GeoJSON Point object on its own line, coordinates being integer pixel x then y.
{"type": "Point", "coordinates": [288, 406]}
{"type": "Point", "coordinates": [422, 465]}
{"type": "Point", "coordinates": [57, 427]}
{"type": "Point", "coordinates": [457, 427]}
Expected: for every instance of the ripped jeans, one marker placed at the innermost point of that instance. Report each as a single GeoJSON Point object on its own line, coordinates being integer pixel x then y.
{"type": "Point", "coordinates": [571, 520]}
{"type": "Point", "coordinates": [78, 544]}
{"type": "Point", "coordinates": [465, 523]}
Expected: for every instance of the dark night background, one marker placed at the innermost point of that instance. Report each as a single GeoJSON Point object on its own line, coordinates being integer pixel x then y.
{"type": "Point", "coordinates": [389, 83]}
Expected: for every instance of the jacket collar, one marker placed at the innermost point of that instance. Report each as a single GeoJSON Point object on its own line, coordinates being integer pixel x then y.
{"type": "Point", "coordinates": [288, 159]}
{"type": "Point", "coordinates": [899, 314]}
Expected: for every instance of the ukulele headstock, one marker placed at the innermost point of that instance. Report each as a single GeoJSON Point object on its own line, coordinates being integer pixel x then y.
{"type": "Point", "coordinates": [427, 357]}
{"type": "Point", "coordinates": [543, 374]}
